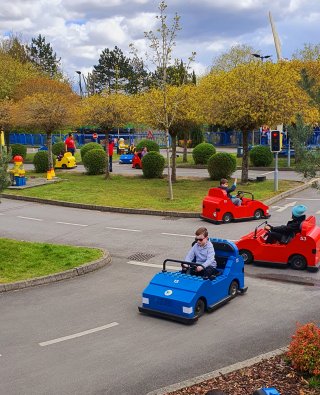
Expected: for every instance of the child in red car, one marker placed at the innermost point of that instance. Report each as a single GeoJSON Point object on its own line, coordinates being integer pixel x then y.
{"type": "Point", "coordinates": [284, 233]}
{"type": "Point", "coordinates": [224, 185]}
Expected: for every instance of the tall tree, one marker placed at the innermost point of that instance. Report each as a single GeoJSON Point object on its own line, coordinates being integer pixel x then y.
{"type": "Point", "coordinates": [42, 55]}
{"type": "Point", "coordinates": [308, 52]}
{"type": "Point", "coordinates": [45, 105]}
{"type": "Point", "coordinates": [251, 95]}
{"type": "Point", "coordinates": [14, 47]}
{"type": "Point", "coordinates": [112, 72]}
{"type": "Point", "coordinates": [4, 178]}
{"type": "Point", "coordinates": [161, 44]}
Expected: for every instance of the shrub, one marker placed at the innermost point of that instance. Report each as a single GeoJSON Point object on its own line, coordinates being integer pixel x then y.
{"type": "Point", "coordinates": [202, 152]}
{"type": "Point", "coordinates": [221, 165]}
{"type": "Point", "coordinates": [88, 147]}
{"type": "Point", "coordinates": [95, 161]}
{"type": "Point", "coordinates": [40, 161]}
{"type": "Point", "coordinates": [150, 144]}
{"type": "Point", "coordinates": [304, 349]}
{"type": "Point", "coordinates": [196, 136]}
{"type": "Point", "coordinates": [57, 148]}
{"type": "Point", "coordinates": [19, 149]}
{"type": "Point", "coordinates": [153, 165]}
{"type": "Point", "coordinates": [260, 155]}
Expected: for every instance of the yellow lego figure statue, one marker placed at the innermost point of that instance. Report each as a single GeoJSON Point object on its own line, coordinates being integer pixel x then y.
{"type": "Point", "coordinates": [17, 173]}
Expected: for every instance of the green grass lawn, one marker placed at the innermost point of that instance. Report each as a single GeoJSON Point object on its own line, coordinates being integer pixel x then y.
{"type": "Point", "coordinates": [24, 260]}
{"type": "Point", "coordinates": [139, 192]}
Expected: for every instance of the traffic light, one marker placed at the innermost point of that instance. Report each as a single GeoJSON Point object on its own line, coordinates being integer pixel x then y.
{"type": "Point", "coordinates": [275, 141]}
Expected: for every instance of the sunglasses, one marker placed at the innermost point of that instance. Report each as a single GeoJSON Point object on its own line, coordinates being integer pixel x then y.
{"type": "Point", "coordinates": [196, 239]}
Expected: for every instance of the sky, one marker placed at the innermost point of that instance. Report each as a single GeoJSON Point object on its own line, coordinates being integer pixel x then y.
{"type": "Point", "coordinates": [79, 30]}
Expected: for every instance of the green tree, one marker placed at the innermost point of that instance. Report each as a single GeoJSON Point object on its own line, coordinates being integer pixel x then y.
{"type": "Point", "coordinates": [13, 46]}
{"type": "Point", "coordinates": [161, 44]}
{"type": "Point", "coordinates": [237, 55]}
{"type": "Point", "coordinates": [308, 52]}
{"type": "Point", "coordinates": [4, 177]}
{"type": "Point", "coordinates": [43, 57]}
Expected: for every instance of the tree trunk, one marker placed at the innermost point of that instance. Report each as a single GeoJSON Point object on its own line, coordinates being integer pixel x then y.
{"type": "Point", "coordinates": [7, 140]}
{"type": "Point", "coordinates": [245, 157]}
{"type": "Point", "coordinates": [185, 146]}
{"type": "Point", "coordinates": [49, 145]}
{"type": "Point", "coordinates": [169, 166]}
{"type": "Point", "coordinates": [174, 155]}
{"type": "Point", "coordinates": [107, 173]}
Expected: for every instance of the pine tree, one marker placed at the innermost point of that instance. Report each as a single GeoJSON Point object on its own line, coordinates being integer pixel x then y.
{"type": "Point", "coordinates": [42, 55]}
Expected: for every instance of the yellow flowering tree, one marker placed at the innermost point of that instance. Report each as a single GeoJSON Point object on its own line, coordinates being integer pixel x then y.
{"type": "Point", "coordinates": [251, 95]}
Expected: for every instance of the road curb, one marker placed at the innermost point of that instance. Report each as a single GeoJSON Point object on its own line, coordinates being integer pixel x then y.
{"type": "Point", "coordinates": [218, 372]}
{"type": "Point", "coordinates": [51, 278]}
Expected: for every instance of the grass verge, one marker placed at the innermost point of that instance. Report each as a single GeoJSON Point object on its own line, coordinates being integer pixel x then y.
{"type": "Point", "coordinates": [139, 192]}
{"type": "Point", "coordinates": [25, 260]}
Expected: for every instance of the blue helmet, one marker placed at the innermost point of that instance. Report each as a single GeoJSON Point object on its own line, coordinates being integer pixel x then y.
{"type": "Point", "coordinates": [299, 210]}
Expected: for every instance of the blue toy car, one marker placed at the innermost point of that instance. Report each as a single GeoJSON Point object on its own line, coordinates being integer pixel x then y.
{"type": "Point", "coordinates": [126, 158]}
{"type": "Point", "coordinates": [185, 297]}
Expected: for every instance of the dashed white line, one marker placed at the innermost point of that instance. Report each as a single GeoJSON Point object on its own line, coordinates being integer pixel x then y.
{"type": "Point", "coordinates": [269, 172]}
{"type": "Point", "coordinates": [155, 265]}
{"type": "Point", "coordinates": [30, 218]}
{"type": "Point", "coordinates": [176, 234]}
{"type": "Point", "coordinates": [89, 331]}
{"type": "Point", "coordinates": [69, 223]}
{"type": "Point", "coordinates": [127, 230]}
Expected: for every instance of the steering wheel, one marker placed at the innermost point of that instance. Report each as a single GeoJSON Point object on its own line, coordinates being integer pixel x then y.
{"type": "Point", "coordinates": [240, 195]}
{"type": "Point", "coordinates": [191, 269]}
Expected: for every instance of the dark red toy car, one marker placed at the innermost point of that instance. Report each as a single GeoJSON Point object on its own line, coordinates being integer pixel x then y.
{"type": "Point", "coordinates": [300, 252]}
{"type": "Point", "coordinates": [136, 161]}
{"type": "Point", "coordinates": [217, 207]}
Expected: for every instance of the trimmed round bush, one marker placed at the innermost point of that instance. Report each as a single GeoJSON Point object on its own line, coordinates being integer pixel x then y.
{"type": "Point", "coordinates": [150, 144]}
{"type": "Point", "coordinates": [221, 165]}
{"type": "Point", "coordinates": [202, 152]}
{"type": "Point", "coordinates": [153, 165]}
{"type": "Point", "coordinates": [95, 161]}
{"type": "Point", "coordinates": [57, 148]}
{"type": "Point", "coordinates": [88, 147]}
{"type": "Point", "coordinates": [19, 149]}
{"type": "Point", "coordinates": [261, 156]}
{"type": "Point", "coordinates": [40, 161]}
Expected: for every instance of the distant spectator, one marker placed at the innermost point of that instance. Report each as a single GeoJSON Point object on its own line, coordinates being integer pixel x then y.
{"type": "Point", "coordinates": [144, 152]}
{"type": "Point", "coordinates": [110, 152]}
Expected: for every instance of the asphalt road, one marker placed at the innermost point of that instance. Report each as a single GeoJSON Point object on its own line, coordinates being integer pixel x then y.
{"type": "Point", "coordinates": [85, 336]}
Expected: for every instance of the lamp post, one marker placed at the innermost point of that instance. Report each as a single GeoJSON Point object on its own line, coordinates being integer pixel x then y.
{"type": "Point", "coordinates": [80, 85]}
{"type": "Point", "coordinates": [256, 55]}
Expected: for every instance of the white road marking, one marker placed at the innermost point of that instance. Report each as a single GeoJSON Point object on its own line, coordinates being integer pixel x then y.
{"type": "Point", "coordinates": [69, 223]}
{"type": "Point", "coordinates": [302, 199]}
{"type": "Point", "coordinates": [88, 332]}
{"type": "Point", "coordinates": [138, 263]}
{"type": "Point", "coordinates": [127, 230]}
{"type": "Point", "coordinates": [318, 212]}
{"type": "Point", "coordinates": [176, 234]}
{"type": "Point", "coordinates": [269, 172]}
{"type": "Point", "coordinates": [32, 219]}
{"type": "Point", "coordinates": [282, 208]}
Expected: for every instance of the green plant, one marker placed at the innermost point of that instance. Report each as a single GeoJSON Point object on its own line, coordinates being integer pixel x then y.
{"type": "Point", "coordinates": [304, 349]}
{"type": "Point", "coordinates": [57, 148]}
{"type": "Point", "coordinates": [153, 165]}
{"type": "Point", "coordinates": [18, 149]}
{"type": "Point", "coordinates": [261, 156]}
{"type": "Point", "coordinates": [150, 144]}
{"type": "Point", "coordinates": [221, 165]}
{"type": "Point", "coordinates": [4, 176]}
{"type": "Point", "coordinates": [95, 161]}
{"type": "Point", "coordinates": [40, 161]}
{"type": "Point", "coordinates": [88, 147]}
{"type": "Point", "coordinates": [196, 136]}
{"type": "Point", "coordinates": [202, 152]}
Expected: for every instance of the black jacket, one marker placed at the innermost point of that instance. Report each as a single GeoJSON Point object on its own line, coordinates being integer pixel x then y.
{"type": "Point", "coordinates": [292, 227]}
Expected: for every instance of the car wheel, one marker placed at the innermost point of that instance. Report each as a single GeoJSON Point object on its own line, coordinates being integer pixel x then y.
{"type": "Point", "coordinates": [258, 214]}
{"type": "Point", "coordinates": [298, 262]}
{"type": "Point", "coordinates": [227, 218]}
{"type": "Point", "coordinates": [199, 309]}
{"type": "Point", "coordinates": [233, 289]}
{"type": "Point", "coordinates": [246, 256]}
{"type": "Point", "coordinates": [64, 166]}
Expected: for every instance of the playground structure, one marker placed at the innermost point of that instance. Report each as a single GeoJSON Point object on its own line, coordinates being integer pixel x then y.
{"type": "Point", "coordinates": [17, 173]}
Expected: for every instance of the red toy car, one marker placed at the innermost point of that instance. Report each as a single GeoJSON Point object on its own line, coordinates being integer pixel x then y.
{"type": "Point", "coordinates": [217, 207]}
{"type": "Point", "coordinates": [300, 252]}
{"type": "Point", "coordinates": [136, 161]}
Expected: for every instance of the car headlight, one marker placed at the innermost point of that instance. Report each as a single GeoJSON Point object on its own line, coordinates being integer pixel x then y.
{"type": "Point", "coordinates": [187, 310]}
{"type": "Point", "coordinates": [267, 211]}
{"type": "Point", "coordinates": [214, 214]}
{"type": "Point", "coordinates": [145, 300]}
